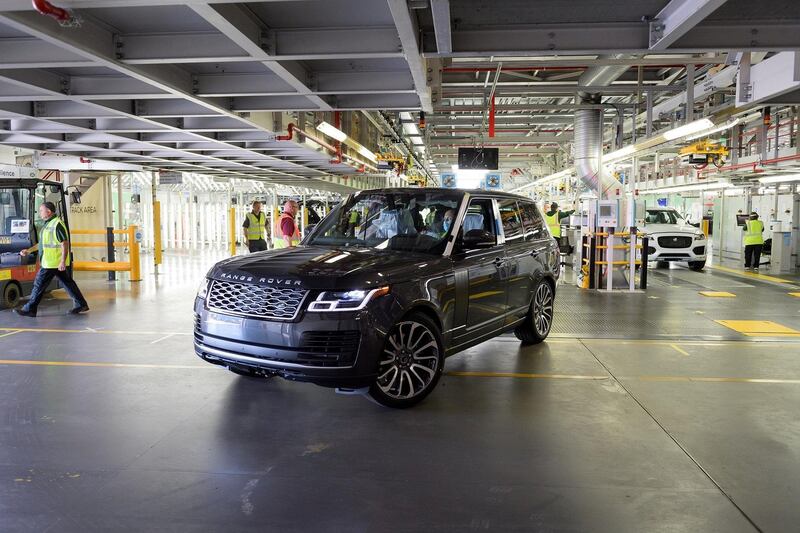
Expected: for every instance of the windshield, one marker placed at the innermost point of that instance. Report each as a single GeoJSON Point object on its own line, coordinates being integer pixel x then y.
{"type": "Point", "coordinates": [660, 216]}
{"type": "Point", "coordinates": [408, 221]}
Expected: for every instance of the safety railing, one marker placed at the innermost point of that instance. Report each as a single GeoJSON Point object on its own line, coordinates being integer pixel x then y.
{"type": "Point", "coordinates": [601, 256]}
{"type": "Point", "coordinates": [111, 265]}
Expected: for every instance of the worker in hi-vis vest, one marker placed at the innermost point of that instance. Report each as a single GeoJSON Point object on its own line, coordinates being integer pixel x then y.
{"type": "Point", "coordinates": [553, 219]}
{"type": "Point", "coordinates": [753, 241]}
{"type": "Point", "coordinates": [54, 261]}
{"type": "Point", "coordinates": [287, 234]}
{"type": "Point", "coordinates": [254, 225]}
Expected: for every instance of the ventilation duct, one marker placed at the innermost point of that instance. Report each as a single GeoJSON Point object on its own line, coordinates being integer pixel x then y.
{"type": "Point", "coordinates": [589, 129]}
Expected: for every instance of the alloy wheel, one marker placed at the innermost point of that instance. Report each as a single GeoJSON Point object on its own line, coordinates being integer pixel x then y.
{"type": "Point", "coordinates": [543, 309]}
{"type": "Point", "coordinates": [409, 362]}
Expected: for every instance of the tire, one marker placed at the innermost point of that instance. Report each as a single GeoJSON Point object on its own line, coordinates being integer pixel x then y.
{"type": "Point", "coordinates": [697, 266]}
{"type": "Point", "coordinates": [249, 372]}
{"type": "Point", "coordinates": [12, 293]}
{"type": "Point", "coordinates": [537, 324]}
{"type": "Point", "coordinates": [410, 363]}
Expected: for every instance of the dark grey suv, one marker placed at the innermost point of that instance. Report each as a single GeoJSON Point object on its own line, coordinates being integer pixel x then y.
{"type": "Point", "coordinates": [384, 288]}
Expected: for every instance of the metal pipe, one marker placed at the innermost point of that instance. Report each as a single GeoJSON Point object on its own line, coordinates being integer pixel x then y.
{"type": "Point", "coordinates": [46, 8]}
{"type": "Point", "coordinates": [588, 129]}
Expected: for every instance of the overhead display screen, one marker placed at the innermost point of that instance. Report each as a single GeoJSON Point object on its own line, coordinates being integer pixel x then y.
{"type": "Point", "coordinates": [478, 158]}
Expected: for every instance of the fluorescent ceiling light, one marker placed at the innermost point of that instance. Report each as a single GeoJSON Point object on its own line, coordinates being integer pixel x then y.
{"type": "Point", "coordinates": [366, 152]}
{"type": "Point", "coordinates": [780, 179]}
{"type": "Point", "coordinates": [688, 129]}
{"type": "Point", "coordinates": [332, 132]}
{"type": "Point", "coordinates": [711, 186]}
{"type": "Point", "coordinates": [546, 179]}
{"type": "Point", "coordinates": [622, 153]}
{"type": "Point", "coordinates": [726, 126]}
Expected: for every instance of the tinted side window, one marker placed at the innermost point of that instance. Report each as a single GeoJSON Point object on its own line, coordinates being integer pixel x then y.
{"type": "Point", "coordinates": [512, 219]}
{"type": "Point", "coordinates": [533, 221]}
{"type": "Point", "coordinates": [480, 215]}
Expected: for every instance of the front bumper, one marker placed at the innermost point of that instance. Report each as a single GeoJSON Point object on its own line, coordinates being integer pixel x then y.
{"type": "Point", "coordinates": [331, 349]}
{"type": "Point", "coordinates": [695, 251]}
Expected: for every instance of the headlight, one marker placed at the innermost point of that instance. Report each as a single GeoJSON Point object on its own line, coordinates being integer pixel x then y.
{"type": "Point", "coordinates": [202, 290]}
{"type": "Point", "coordinates": [699, 236]}
{"type": "Point", "coordinates": [352, 300]}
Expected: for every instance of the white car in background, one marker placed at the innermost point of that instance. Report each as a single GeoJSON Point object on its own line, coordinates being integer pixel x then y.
{"type": "Point", "coordinates": [674, 239]}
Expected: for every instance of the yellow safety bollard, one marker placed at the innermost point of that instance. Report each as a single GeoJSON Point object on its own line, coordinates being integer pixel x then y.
{"type": "Point", "coordinates": [706, 227]}
{"type": "Point", "coordinates": [232, 230]}
{"type": "Point", "coordinates": [157, 233]}
{"type": "Point", "coordinates": [133, 244]}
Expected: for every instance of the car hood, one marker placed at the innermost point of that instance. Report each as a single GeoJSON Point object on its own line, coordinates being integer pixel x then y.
{"type": "Point", "coordinates": [669, 228]}
{"type": "Point", "coordinates": [320, 267]}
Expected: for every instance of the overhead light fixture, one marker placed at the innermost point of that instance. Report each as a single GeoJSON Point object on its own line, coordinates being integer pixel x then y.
{"type": "Point", "coordinates": [688, 129]}
{"type": "Point", "coordinates": [711, 186]}
{"type": "Point", "coordinates": [545, 179]}
{"type": "Point", "coordinates": [780, 179]}
{"type": "Point", "coordinates": [332, 132]}
{"type": "Point", "coordinates": [622, 153]}
{"type": "Point", "coordinates": [726, 126]}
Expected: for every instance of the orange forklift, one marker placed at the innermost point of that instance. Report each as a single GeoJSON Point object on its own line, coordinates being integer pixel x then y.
{"type": "Point", "coordinates": [19, 229]}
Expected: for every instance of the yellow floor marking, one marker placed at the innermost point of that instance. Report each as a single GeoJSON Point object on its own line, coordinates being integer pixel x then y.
{"type": "Point", "coordinates": [7, 334]}
{"type": "Point", "coordinates": [521, 375]}
{"type": "Point", "coordinates": [718, 294]}
{"type": "Point", "coordinates": [795, 294]}
{"type": "Point", "coordinates": [713, 379]}
{"type": "Point", "coordinates": [758, 327]}
{"type": "Point", "coordinates": [105, 331]}
{"type": "Point", "coordinates": [773, 334]}
{"type": "Point", "coordinates": [91, 364]}
{"type": "Point", "coordinates": [679, 350]}
{"type": "Point", "coordinates": [750, 274]}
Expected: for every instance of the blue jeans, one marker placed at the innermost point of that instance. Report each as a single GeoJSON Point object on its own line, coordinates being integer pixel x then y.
{"type": "Point", "coordinates": [43, 279]}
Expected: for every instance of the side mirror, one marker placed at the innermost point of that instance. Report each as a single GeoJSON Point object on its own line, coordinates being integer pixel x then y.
{"type": "Point", "coordinates": [5, 198]}
{"type": "Point", "coordinates": [75, 196]}
{"type": "Point", "coordinates": [478, 238]}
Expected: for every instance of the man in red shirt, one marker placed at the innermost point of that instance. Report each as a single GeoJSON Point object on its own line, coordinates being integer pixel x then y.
{"type": "Point", "coordinates": [287, 235]}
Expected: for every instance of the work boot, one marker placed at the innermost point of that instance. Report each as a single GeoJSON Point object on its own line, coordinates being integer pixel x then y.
{"type": "Point", "coordinates": [24, 312]}
{"type": "Point", "coordinates": [79, 310]}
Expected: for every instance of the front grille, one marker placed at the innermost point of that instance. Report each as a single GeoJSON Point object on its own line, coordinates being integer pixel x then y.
{"type": "Point", "coordinates": [675, 242]}
{"type": "Point", "coordinates": [277, 303]}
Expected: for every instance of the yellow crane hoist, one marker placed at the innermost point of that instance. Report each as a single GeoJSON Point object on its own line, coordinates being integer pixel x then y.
{"type": "Point", "coordinates": [701, 153]}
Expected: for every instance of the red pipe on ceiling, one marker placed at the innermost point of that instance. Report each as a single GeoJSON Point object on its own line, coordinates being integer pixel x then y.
{"type": "Point", "coordinates": [544, 69]}
{"type": "Point", "coordinates": [46, 8]}
{"type": "Point", "coordinates": [491, 117]}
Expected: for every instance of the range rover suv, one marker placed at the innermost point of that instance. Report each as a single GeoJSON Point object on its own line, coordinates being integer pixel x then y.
{"type": "Point", "coordinates": [674, 239]}
{"type": "Point", "coordinates": [390, 283]}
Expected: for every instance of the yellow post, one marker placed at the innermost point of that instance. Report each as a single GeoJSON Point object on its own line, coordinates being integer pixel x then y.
{"type": "Point", "coordinates": [157, 233]}
{"type": "Point", "coordinates": [305, 219]}
{"type": "Point", "coordinates": [232, 230]}
{"type": "Point", "coordinates": [705, 226]}
{"type": "Point", "coordinates": [133, 243]}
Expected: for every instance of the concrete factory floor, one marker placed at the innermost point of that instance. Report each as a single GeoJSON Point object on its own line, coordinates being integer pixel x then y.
{"type": "Point", "coordinates": [642, 412]}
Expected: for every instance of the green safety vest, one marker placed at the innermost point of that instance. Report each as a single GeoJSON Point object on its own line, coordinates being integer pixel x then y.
{"type": "Point", "coordinates": [255, 230]}
{"type": "Point", "coordinates": [49, 245]}
{"type": "Point", "coordinates": [753, 232]}
{"type": "Point", "coordinates": [554, 223]}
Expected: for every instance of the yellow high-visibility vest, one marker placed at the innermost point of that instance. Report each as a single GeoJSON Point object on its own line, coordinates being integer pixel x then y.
{"type": "Point", "coordinates": [255, 230]}
{"type": "Point", "coordinates": [753, 232]}
{"type": "Point", "coordinates": [49, 245]}
{"type": "Point", "coordinates": [554, 223]}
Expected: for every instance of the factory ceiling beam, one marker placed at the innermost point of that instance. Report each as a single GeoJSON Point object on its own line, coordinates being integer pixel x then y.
{"type": "Point", "coordinates": [677, 18]}
{"type": "Point", "coordinates": [244, 30]}
{"type": "Point", "coordinates": [407, 31]}
{"type": "Point", "coordinates": [628, 37]}
{"type": "Point", "coordinates": [440, 9]}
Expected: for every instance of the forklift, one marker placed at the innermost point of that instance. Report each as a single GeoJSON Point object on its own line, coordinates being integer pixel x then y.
{"type": "Point", "coordinates": [19, 229]}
